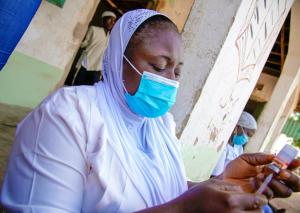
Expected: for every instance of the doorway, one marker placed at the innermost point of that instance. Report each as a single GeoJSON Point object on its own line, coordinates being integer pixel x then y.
{"type": "Point", "coordinates": [119, 7]}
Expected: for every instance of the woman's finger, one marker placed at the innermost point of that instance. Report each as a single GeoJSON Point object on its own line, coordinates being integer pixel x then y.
{"type": "Point", "coordinates": [291, 180]}
{"type": "Point", "coordinates": [257, 159]}
{"type": "Point", "coordinates": [280, 189]}
{"type": "Point", "coordinates": [260, 210]}
{"type": "Point", "coordinates": [267, 191]}
{"type": "Point", "coordinates": [294, 164]}
{"type": "Point", "coordinates": [249, 211]}
{"type": "Point", "coordinates": [246, 201]}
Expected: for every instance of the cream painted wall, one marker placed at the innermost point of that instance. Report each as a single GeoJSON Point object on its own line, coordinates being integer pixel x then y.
{"type": "Point", "coordinates": [177, 10]}
{"type": "Point", "coordinates": [203, 37]}
{"type": "Point", "coordinates": [268, 83]}
{"type": "Point", "coordinates": [44, 55]}
{"type": "Point", "coordinates": [289, 109]}
{"type": "Point", "coordinates": [236, 68]}
{"type": "Point", "coordinates": [287, 83]}
{"type": "Point", "coordinates": [55, 33]}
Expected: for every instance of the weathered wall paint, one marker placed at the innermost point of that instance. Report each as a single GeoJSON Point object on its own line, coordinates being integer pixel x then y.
{"type": "Point", "coordinates": [176, 10]}
{"type": "Point", "coordinates": [45, 53]}
{"type": "Point", "coordinates": [286, 85]}
{"type": "Point", "coordinates": [228, 87]}
{"type": "Point", "coordinates": [55, 34]}
{"type": "Point", "coordinates": [194, 155]}
{"type": "Point", "coordinates": [25, 81]}
{"type": "Point", "coordinates": [203, 36]}
{"type": "Point", "coordinates": [289, 109]}
{"type": "Point", "coordinates": [268, 83]}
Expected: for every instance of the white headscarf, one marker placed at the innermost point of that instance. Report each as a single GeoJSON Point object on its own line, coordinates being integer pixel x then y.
{"type": "Point", "coordinates": [108, 14]}
{"type": "Point", "coordinates": [146, 147]}
{"type": "Point", "coordinates": [247, 121]}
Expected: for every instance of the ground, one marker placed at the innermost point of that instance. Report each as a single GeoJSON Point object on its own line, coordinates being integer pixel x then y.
{"type": "Point", "coordinates": [11, 116]}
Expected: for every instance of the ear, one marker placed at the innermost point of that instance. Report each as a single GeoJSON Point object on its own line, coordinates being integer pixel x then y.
{"type": "Point", "coordinates": [235, 130]}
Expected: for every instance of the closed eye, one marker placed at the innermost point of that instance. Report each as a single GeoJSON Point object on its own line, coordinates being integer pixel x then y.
{"type": "Point", "coordinates": [157, 69]}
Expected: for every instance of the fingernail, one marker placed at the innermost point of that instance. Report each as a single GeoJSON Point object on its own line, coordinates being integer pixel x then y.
{"type": "Point", "coordinates": [260, 200]}
{"type": "Point", "coordinates": [256, 203]}
{"type": "Point", "coordinates": [285, 174]}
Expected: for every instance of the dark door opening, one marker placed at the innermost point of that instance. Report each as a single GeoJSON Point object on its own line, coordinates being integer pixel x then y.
{"type": "Point", "coordinates": [119, 7]}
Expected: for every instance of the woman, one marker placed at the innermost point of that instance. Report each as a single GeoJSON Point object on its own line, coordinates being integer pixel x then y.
{"type": "Point", "coordinates": [112, 147]}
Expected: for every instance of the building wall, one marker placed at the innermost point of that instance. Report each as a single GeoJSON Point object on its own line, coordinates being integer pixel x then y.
{"type": "Point", "coordinates": [59, 31]}
{"type": "Point", "coordinates": [226, 80]}
{"type": "Point", "coordinates": [226, 44]}
{"type": "Point", "coordinates": [44, 55]}
{"type": "Point", "coordinates": [177, 10]}
{"type": "Point", "coordinates": [203, 37]}
{"type": "Point", "coordinates": [264, 88]}
{"type": "Point", "coordinates": [25, 81]}
{"type": "Point", "coordinates": [279, 106]}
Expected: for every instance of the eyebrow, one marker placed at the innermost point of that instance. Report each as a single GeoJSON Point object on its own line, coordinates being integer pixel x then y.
{"type": "Point", "coordinates": [169, 59]}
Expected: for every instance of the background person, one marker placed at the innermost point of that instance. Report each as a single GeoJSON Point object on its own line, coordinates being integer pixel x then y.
{"type": "Point", "coordinates": [244, 129]}
{"type": "Point", "coordinates": [96, 40]}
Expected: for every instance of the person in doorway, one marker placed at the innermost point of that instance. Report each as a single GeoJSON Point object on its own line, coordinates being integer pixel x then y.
{"type": "Point", "coordinates": [89, 65]}
{"type": "Point", "coordinates": [245, 129]}
{"type": "Point", "coordinates": [111, 147]}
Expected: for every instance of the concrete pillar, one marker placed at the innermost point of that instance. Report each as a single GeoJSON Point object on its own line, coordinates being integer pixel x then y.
{"type": "Point", "coordinates": [203, 35]}
{"type": "Point", "coordinates": [289, 108]}
{"type": "Point", "coordinates": [176, 10]}
{"type": "Point", "coordinates": [226, 45]}
{"type": "Point", "coordinates": [286, 85]}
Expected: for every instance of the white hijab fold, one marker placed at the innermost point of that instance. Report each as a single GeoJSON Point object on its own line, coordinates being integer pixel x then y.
{"type": "Point", "coordinates": [146, 148]}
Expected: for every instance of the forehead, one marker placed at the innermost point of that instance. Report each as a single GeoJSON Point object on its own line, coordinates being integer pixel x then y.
{"type": "Point", "coordinates": [160, 41]}
{"type": "Point", "coordinates": [249, 132]}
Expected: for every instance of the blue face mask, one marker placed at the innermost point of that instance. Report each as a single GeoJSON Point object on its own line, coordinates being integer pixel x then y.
{"type": "Point", "coordinates": [240, 139]}
{"type": "Point", "coordinates": [154, 96]}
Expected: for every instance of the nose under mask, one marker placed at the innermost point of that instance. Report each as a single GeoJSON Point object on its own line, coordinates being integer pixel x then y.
{"type": "Point", "coordinates": [154, 96]}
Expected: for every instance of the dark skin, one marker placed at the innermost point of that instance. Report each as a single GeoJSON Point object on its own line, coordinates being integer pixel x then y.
{"type": "Point", "coordinates": [108, 23]}
{"type": "Point", "coordinates": [240, 171]}
{"type": "Point", "coordinates": [239, 131]}
{"type": "Point", "coordinates": [162, 57]}
{"type": "Point", "coordinates": [161, 53]}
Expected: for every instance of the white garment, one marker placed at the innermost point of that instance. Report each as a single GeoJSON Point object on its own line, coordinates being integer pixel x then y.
{"type": "Point", "coordinates": [83, 150]}
{"type": "Point", "coordinates": [63, 161]}
{"type": "Point", "coordinates": [229, 153]}
{"type": "Point", "coordinates": [95, 43]}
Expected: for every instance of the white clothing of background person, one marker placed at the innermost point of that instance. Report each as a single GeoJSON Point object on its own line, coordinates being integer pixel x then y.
{"type": "Point", "coordinates": [231, 150]}
{"type": "Point", "coordinates": [228, 154]}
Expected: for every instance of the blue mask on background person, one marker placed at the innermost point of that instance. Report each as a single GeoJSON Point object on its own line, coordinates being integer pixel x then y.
{"type": "Point", "coordinates": [240, 139]}
{"type": "Point", "coordinates": [154, 96]}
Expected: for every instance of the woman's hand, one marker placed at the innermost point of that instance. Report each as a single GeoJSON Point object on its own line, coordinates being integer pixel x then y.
{"type": "Point", "coordinates": [217, 196]}
{"type": "Point", "coordinates": [249, 172]}
{"type": "Point", "coordinates": [286, 182]}
{"type": "Point", "coordinates": [212, 196]}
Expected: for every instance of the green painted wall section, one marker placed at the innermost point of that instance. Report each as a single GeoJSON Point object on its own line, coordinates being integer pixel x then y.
{"type": "Point", "coordinates": [26, 81]}
{"type": "Point", "coordinates": [292, 129]}
{"type": "Point", "coordinates": [59, 3]}
{"type": "Point", "coordinates": [199, 161]}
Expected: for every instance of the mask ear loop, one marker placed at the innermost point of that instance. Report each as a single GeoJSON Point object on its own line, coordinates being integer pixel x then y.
{"type": "Point", "coordinates": [133, 68]}
{"type": "Point", "coordinates": [132, 65]}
